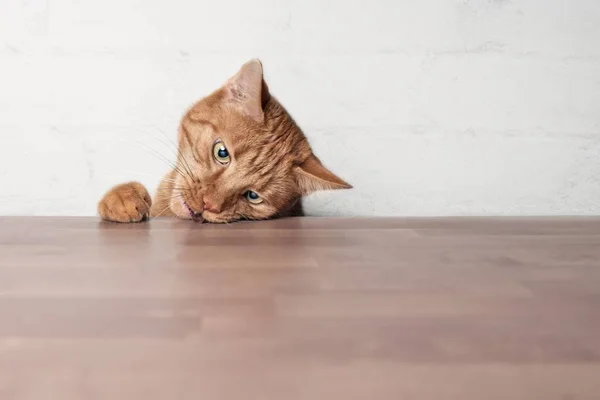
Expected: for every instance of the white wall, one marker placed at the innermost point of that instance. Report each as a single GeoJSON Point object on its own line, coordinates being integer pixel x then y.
{"type": "Point", "coordinates": [429, 107]}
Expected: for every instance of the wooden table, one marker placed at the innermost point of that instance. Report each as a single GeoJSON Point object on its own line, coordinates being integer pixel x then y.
{"type": "Point", "coordinates": [308, 308]}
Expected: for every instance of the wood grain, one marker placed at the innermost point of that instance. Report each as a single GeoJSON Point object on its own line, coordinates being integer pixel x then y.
{"type": "Point", "coordinates": [304, 308]}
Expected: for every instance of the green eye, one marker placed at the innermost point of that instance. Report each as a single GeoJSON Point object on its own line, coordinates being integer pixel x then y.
{"type": "Point", "coordinates": [253, 197]}
{"type": "Point", "coordinates": [220, 153]}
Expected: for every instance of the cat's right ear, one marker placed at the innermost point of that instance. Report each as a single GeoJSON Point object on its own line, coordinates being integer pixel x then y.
{"type": "Point", "coordinates": [312, 176]}
{"type": "Point", "coordinates": [247, 90]}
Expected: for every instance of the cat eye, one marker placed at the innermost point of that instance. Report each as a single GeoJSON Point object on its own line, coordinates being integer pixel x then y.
{"type": "Point", "coordinates": [220, 153]}
{"type": "Point", "coordinates": [253, 197]}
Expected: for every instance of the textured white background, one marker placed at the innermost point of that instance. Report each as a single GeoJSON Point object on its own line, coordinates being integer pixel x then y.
{"type": "Point", "coordinates": [429, 107]}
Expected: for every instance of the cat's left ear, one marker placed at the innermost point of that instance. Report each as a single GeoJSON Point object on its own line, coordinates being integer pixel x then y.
{"type": "Point", "coordinates": [312, 176]}
{"type": "Point", "coordinates": [247, 90]}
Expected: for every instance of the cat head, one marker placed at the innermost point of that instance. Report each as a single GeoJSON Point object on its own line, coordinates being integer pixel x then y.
{"type": "Point", "coordinates": [242, 156]}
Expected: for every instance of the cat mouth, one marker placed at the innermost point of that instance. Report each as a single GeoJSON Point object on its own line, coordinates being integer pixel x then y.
{"type": "Point", "coordinates": [193, 215]}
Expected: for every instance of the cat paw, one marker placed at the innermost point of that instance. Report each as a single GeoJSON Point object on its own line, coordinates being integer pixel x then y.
{"type": "Point", "coordinates": [129, 202]}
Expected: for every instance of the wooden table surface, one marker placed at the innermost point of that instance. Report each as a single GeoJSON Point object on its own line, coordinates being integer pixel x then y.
{"type": "Point", "coordinates": [307, 308]}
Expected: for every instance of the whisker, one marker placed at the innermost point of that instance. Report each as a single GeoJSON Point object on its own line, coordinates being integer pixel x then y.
{"type": "Point", "coordinates": [174, 148]}
{"type": "Point", "coordinates": [246, 218]}
{"type": "Point", "coordinates": [126, 177]}
{"type": "Point", "coordinates": [173, 197]}
{"type": "Point", "coordinates": [171, 180]}
{"type": "Point", "coordinates": [177, 151]}
{"type": "Point", "coordinates": [161, 157]}
{"type": "Point", "coordinates": [154, 137]}
{"type": "Point", "coordinates": [160, 213]}
{"type": "Point", "coordinates": [165, 159]}
{"type": "Point", "coordinates": [154, 153]}
{"type": "Point", "coordinates": [179, 188]}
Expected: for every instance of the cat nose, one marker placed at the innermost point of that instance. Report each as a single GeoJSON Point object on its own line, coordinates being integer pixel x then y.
{"type": "Point", "coordinates": [208, 206]}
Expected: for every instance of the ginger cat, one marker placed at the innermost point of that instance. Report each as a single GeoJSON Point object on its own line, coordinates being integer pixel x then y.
{"type": "Point", "coordinates": [240, 156]}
